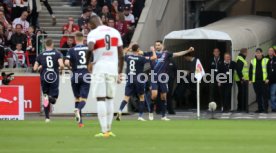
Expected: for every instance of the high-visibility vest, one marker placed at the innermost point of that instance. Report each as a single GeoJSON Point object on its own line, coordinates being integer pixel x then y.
{"type": "Point", "coordinates": [245, 69]}
{"type": "Point", "coordinates": [264, 68]}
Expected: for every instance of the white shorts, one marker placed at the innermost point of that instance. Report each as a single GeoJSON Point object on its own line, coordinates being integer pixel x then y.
{"type": "Point", "coordinates": [103, 85]}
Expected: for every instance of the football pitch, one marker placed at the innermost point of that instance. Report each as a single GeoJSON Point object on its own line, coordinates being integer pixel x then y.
{"type": "Point", "coordinates": [180, 136]}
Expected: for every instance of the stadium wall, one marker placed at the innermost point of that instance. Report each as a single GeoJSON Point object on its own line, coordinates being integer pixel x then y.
{"type": "Point", "coordinates": [158, 18]}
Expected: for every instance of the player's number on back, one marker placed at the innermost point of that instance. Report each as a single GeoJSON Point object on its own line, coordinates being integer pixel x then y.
{"type": "Point", "coordinates": [107, 42]}
{"type": "Point", "coordinates": [49, 61]}
{"type": "Point", "coordinates": [132, 66]}
{"type": "Point", "coordinates": [82, 57]}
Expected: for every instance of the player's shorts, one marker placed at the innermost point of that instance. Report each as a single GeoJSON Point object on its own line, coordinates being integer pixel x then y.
{"type": "Point", "coordinates": [80, 87]}
{"type": "Point", "coordinates": [51, 89]}
{"type": "Point", "coordinates": [160, 85]}
{"type": "Point", "coordinates": [104, 85]}
{"type": "Point", "coordinates": [134, 88]}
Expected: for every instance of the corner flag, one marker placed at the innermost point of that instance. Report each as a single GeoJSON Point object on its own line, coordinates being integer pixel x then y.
{"type": "Point", "coordinates": [199, 74]}
{"type": "Point", "coordinates": [199, 71]}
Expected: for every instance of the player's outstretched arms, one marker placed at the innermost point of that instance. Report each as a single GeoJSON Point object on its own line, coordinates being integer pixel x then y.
{"type": "Point", "coordinates": [182, 53]}
{"type": "Point", "coordinates": [154, 56]}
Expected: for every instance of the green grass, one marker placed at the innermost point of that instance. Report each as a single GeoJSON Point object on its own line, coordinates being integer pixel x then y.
{"type": "Point", "coordinates": [190, 136]}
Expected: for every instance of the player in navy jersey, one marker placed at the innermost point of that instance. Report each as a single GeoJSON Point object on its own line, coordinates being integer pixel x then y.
{"type": "Point", "coordinates": [80, 81]}
{"type": "Point", "coordinates": [136, 82]}
{"type": "Point", "coordinates": [48, 63]}
{"type": "Point", "coordinates": [159, 84]}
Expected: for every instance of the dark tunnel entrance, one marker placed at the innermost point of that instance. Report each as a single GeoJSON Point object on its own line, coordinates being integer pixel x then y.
{"type": "Point", "coordinates": [185, 99]}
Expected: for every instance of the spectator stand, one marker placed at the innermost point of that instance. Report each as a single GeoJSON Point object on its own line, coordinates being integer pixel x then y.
{"type": "Point", "coordinates": [12, 64]}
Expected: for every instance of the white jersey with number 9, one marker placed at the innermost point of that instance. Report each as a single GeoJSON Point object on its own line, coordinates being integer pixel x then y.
{"type": "Point", "coordinates": [106, 42]}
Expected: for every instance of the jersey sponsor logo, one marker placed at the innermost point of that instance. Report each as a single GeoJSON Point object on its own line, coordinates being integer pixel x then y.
{"type": "Point", "coordinates": [107, 53]}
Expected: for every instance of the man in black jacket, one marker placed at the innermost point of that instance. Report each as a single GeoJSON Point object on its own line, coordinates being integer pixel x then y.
{"type": "Point", "coordinates": [258, 76]}
{"type": "Point", "coordinates": [271, 69]}
{"type": "Point", "coordinates": [172, 76]}
{"type": "Point", "coordinates": [270, 53]}
{"type": "Point", "coordinates": [19, 38]}
{"type": "Point", "coordinates": [216, 62]}
{"type": "Point", "coordinates": [227, 68]}
{"type": "Point", "coordinates": [191, 78]}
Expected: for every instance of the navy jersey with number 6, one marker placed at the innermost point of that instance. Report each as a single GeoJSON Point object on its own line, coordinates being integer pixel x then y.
{"type": "Point", "coordinates": [49, 74]}
{"type": "Point", "coordinates": [77, 57]}
{"type": "Point", "coordinates": [49, 62]}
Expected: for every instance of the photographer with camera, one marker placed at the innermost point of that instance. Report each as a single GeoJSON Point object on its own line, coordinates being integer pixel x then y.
{"type": "Point", "coordinates": [6, 78]}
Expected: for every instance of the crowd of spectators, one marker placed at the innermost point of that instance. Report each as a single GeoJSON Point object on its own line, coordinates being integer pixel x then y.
{"type": "Point", "coordinates": [18, 28]}
{"type": "Point", "coordinates": [122, 15]}
{"type": "Point", "coordinates": [19, 25]}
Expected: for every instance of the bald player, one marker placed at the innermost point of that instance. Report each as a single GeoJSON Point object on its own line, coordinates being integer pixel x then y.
{"type": "Point", "coordinates": [105, 43]}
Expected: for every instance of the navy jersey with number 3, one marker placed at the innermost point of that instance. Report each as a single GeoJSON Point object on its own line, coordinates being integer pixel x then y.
{"type": "Point", "coordinates": [49, 62]}
{"type": "Point", "coordinates": [77, 57]}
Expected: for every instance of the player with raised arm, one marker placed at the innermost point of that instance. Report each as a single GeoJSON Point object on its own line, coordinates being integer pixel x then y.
{"type": "Point", "coordinates": [48, 63]}
{"type": "Point", "coordinates": [136, 81]}
{"type": "Point", "coordinates": [80, 81]}
{"type": "Point", "coordinates": [159, 84]}
{"type": "Point", "coordinates": [106, 45]}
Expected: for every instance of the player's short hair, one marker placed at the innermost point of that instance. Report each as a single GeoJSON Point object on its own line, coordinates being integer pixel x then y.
{"type": "Point", "coordinates": [159, 41]}
{"type": "Point", "coordinates": [93, 19]}
{"type": "Point", "coordinates": [49, 42]}
{"type": "Point", "coordinates": [135, 47]}
{"type": "Point", "coordinates": [79, 36]}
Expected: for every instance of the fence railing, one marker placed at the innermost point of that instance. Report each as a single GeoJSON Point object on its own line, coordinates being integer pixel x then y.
{"type": "Point", "coordinates": [41, 38]}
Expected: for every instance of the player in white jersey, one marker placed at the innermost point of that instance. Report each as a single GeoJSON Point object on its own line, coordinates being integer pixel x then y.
{"type": "Point", "coordinates": [107, 47]}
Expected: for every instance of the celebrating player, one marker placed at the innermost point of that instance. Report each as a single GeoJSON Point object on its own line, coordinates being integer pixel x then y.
{"type": "Point", "coordinates": [159, 84]}
{"type": "Point", "coordinates": [80, 81]}
{"type": "Point", "coordinates": [136, 81]}
{"type": "Point", "coordinates": [49, 63]}
{"type": "Point", "coordinates": [106, 44]}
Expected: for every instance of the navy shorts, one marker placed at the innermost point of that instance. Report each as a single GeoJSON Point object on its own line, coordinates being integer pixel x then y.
{"type": "Point", "coordinates": [134, 88]}
{"type": "Point", "coordinates": [80, 87]}
{"type": "Point", "coordinates": [51, 89]}
{"type": "Point", "coordinates": [160, 85]}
